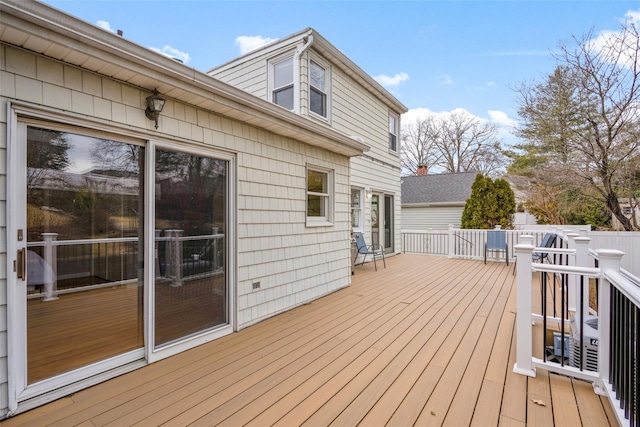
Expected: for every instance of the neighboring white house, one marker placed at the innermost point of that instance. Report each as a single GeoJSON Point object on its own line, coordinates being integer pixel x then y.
{"type": "Point", "coordinates": [433, 201]}
{"type": "Point", "coordinates": [131, 236]}
{"type": "Point", "coordinates": [307, 75]}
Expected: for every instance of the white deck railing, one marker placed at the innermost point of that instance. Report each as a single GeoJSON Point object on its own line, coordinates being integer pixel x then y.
{"type": "Point", "coordinates": [459, 243]}
{"type": "Point", "coordinates": [614, 347]}
{"type": "Point", "coordinates": [114, 261]}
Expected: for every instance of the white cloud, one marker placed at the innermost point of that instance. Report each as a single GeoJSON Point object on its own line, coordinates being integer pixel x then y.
{"type": "Point", "coordinates": [105, 26]}
{"type": "Point", "coordinates": [173, 53]}
{"type": "Point", "coordinates": [504, 124]}
{"type": "Point", "coordinates": [609, 43]}
{"type": "Point", "coordinates": [500, 118]}
{"type": "Point", "coordinates": [391, 81]}
{"type": "Point", "coordinates": [415, 114]}
{"type": "Point", "coordinates": [633, 16]}
{"type": "Point", "coordinates": [496, 117]}
{"type": "Point", "coordinates": [248, 43]}
{"type": "Point", "coordinates": [445, 80]}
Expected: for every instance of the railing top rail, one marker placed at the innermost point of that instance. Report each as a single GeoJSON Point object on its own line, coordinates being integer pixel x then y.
{"type": "Point", "coordinates": [84, 241]}
{"type": "Point", "coordinates": [542, 249]}
{"type": "Point", "coordinates": [116, 240]}
{"type": "Point", "coordinates": [566, 269]}
{"type": "Point", "coordinates": [188, 238]}
{"type": "Point", "coordinates": [624, 285]}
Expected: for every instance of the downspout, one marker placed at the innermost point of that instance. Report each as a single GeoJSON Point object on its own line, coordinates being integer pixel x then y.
{"type": "Point", "coordinates": [296, 74]}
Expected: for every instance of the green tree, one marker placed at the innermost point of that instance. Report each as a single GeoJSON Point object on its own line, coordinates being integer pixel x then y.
{"type": "Point", "coordinates": [491, 203]}
{"type": "Point", "coordinates": [581, 127]}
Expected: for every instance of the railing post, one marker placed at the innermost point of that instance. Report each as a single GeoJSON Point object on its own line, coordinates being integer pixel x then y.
{"type": "Point", "coordinates": [156, 254]}
{"type": "Point", "coordinates": [451, 241]}
{"type": "Point", "coordinates": [174, 256]}
{"type": "Point", "coordinates": [609, 260]}
{"type": "Point", "coordinates": [217, 259]}
{"type": "Point", "coordinates": [573, 292]}
{"type": "Point", "coordinates": [524, 351]}
{"type": "Point", "coordinates": [582, 260]}
{"type": "Point", "coordinates": [50, 257]}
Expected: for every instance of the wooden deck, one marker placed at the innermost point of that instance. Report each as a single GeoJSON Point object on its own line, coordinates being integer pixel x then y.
{"type": "Point", "coordinates": [426, 341]}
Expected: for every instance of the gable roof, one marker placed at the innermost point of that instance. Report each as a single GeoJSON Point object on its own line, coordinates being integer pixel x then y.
{"type": "Point", "coordinates": [442, 189]}
{"type": "Point", "coordinates": [330, 53]}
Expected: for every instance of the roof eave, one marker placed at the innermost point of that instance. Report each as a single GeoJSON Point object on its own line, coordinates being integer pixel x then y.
{"type": "Point", "coordinates": [29, 25]}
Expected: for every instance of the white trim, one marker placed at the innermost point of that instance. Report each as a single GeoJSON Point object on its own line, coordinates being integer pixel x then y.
{"type": "Point", "coordinates": [361, 203]}
{"type": "Point", "coordinates": [271, 63]}
{"type": "Point", "coordinates": [154, 354]}
{"type": "Point", "coordinates": [16, 306]}
{"type": "Point", "coordinates": [324, 64]}
{"type": "Point", "coordinates": [329, 196]}
{"type": "Point", "coordinates": [396, 133]}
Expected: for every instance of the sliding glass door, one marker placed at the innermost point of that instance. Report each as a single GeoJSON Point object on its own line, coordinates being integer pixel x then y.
{"type": "Point", "coordinates": [122, 252]}
{"type": "Point", "coordinates": [83, 289]}
{"type": "Point", "coordinates": [190, 229]}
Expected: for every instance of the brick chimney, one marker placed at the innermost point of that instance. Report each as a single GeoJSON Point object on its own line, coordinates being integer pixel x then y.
{"type": "Point", "coordinates": [422, 170]}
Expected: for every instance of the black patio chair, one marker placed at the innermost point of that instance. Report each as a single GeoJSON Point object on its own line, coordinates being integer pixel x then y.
{"type": "Point", "coordinates": [548, 241]}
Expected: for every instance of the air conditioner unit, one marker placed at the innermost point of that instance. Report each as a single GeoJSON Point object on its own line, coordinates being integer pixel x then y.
{"type": "Point", "coordinates": [557, 348]}
{"type": "Point", "coordinates": [590, 340]}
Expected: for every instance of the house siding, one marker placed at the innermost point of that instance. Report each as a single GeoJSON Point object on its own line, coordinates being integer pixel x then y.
{"type": "Point", "coordinates": [252, 75]}
{"type": "Point", "coordinates": [354, 111]}
{"type": "Point", "coordinates": [433, 217]}
{"type": "Point", "coordinates": [294, 263]}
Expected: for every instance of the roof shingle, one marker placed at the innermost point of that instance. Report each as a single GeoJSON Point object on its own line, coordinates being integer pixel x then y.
{"type": "Point", "coordinates": [438, 188]}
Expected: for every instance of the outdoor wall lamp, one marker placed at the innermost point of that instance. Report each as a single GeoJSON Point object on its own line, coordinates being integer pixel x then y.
{"type": "Point", "coordinates": [368, 194]}
{"type": "Point", "coordinates": [155, 104]}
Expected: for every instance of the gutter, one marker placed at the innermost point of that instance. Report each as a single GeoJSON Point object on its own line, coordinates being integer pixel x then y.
{"type": "Point", "coordinates": [296, 73]}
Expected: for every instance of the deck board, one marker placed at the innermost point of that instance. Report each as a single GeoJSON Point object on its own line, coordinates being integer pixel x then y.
{"type": "Point", "coordinates": [426, 341]}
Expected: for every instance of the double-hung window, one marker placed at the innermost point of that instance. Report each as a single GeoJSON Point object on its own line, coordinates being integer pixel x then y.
{"type": "Point", "coordinates": [318, 88]}
{"type": "Point", "coordinates": [393, 133]}
{"type": "Point", "coordinates": [319, 196]}
{"type": "Point", "coordinates": [282, 88]}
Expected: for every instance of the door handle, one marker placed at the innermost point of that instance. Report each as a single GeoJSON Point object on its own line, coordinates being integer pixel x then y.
{"type": "Point", "coordinates": [22, 264]}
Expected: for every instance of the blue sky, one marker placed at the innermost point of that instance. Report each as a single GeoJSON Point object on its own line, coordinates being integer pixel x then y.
{"type": "Point", "coordinates": [433, 56]}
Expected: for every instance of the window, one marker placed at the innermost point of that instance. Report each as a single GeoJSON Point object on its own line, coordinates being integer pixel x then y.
{"type": "Point", "coordinates": [319, 196]}
{"type": "Point", "coordinates": [356, 208]}
{"type": "Point", "coordinates": [393, 133]}
{"type": "Point", "coordinates": [318, 89]}
{"type": "Point", "coordinates": [282, 83]}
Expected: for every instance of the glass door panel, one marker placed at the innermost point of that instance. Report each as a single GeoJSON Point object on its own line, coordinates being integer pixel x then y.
{"type": "Point", "coordinates": [190, 291]}
{"type": "Point", "coordinates": [388, 224]}
{"type": "Point", "coordinates": [84, 211]}
{"type": "Point", "coordinates": [375, 219]}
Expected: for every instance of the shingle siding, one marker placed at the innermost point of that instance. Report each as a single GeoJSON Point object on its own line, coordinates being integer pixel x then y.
{"type": "Point", "coordinates": [293, 263]}
{"type": "Point", "coordinates": [354, 111]}
{"type": "Point", "coordinates": [435, 218]}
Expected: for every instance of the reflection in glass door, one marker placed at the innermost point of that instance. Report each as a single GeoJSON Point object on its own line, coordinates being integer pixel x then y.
{"type": "Point", "coordinates": [388, 224]}
{"type": "Point", "coordinates": [84, 211]}
{"type": "Point", "coordinates": [190, 293]}
{"type": "Point", "coordinates": [375, 219]}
